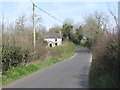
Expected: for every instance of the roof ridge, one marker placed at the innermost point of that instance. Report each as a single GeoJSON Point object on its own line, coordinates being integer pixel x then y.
{"type": "Point", "coordinates": [52, 35]}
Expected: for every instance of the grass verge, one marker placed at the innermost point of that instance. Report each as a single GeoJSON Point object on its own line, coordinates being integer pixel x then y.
{"type": "Point", "coordinates": [18, 72]}
{"type": "Point", "coordinates": [98, 79]}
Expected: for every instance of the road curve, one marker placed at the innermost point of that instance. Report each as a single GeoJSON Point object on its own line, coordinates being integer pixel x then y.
{"type": "Point", "coordinates": [72, 73]}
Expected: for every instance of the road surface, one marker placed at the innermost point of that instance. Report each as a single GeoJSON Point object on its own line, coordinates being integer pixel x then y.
{"type": "Point", "coordinates": [72, 73]}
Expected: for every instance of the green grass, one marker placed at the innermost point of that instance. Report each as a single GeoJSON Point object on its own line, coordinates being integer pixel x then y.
{"type": "Point", "coordinates": [18, 72]}
{"type": "Point", "coordinates": [0, 80]}
{"type": "Point", "coordinates": [105, 81]}
{"type": "Point", "coordinates": [100, 80]}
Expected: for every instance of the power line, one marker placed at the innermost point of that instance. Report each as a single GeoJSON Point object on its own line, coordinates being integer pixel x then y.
{"type": "Point", "coordinates": [49, 14]}
{"type": "Point", "coordinates": [46, 13]}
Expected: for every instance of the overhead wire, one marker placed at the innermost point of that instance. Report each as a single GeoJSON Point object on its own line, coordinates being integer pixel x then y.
{"type": "Point", "coordinates": [46, 12]}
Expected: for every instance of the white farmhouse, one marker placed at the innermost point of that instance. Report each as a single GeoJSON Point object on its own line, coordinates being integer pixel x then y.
{"type": "Point", "coordinates": [53, 39]}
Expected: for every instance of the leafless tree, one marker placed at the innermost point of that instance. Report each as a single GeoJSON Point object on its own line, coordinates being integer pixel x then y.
{"type": "Point", "coordinates": [95, 26]}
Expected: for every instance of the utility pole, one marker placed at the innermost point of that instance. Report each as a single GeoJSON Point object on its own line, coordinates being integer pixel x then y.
{"type": "Point", "coordinates": [34, 39]}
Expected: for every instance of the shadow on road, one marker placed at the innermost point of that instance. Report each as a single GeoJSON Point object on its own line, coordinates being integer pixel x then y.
{"type": "Point", "coordinates": [83, 78]}
{"type": "Point", "coordinates": [83, 75]}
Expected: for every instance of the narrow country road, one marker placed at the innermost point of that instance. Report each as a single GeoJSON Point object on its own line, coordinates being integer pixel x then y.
{"type": "Point", "coordinates": [72, 73]}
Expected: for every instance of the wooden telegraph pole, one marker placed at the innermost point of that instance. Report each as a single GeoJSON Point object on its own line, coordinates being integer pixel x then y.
{"type": "Point", "coordinates": [34, 39]}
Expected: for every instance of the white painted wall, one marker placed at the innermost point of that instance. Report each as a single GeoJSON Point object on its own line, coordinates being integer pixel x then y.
{"type": "Point", "coordinates": [52, 41]}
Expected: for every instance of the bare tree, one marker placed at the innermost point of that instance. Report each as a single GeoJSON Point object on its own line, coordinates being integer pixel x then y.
{"type": "Point", "coordinates": [21, 21]}
{"type": "Point", "coordinates": [116, 19]}
{"type": "Point", "coordinates": [95, 26]}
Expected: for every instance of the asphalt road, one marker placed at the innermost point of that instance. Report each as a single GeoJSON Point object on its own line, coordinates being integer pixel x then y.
{"type": "Point", "coordinates": [72, 73]}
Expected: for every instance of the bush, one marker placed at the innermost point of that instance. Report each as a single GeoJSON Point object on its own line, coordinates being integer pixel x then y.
{"type": "Point", "coordinates": [13, 56]}
{"type": "Point", "coordinates": [101, 80]}
{"type": "Point", "coordinates": [105, 53]}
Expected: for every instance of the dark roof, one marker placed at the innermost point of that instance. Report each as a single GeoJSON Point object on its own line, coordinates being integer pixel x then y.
{"type": "Point", "coordinates": [52, 35]}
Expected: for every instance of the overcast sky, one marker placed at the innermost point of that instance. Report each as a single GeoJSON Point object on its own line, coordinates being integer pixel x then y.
{"type": "Point", "coordinates": [60, 10]}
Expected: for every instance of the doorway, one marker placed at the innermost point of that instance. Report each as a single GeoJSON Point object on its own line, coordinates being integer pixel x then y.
{"type": "Point", "coordinates": [55, 44]}
{"type": "Point", "coordinates": [50, 45]}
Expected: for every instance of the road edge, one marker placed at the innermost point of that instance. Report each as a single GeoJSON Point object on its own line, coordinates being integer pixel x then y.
{"type": "Point", "coordinates": [89, 77]}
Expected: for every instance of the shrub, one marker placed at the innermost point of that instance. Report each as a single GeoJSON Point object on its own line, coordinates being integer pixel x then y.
{"type": "Point", "coordinates": [105, 53]}
{"type": "Point", "coordinates": [101, 80]}
{"type": "Point", "coordinates": [13, 56]}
